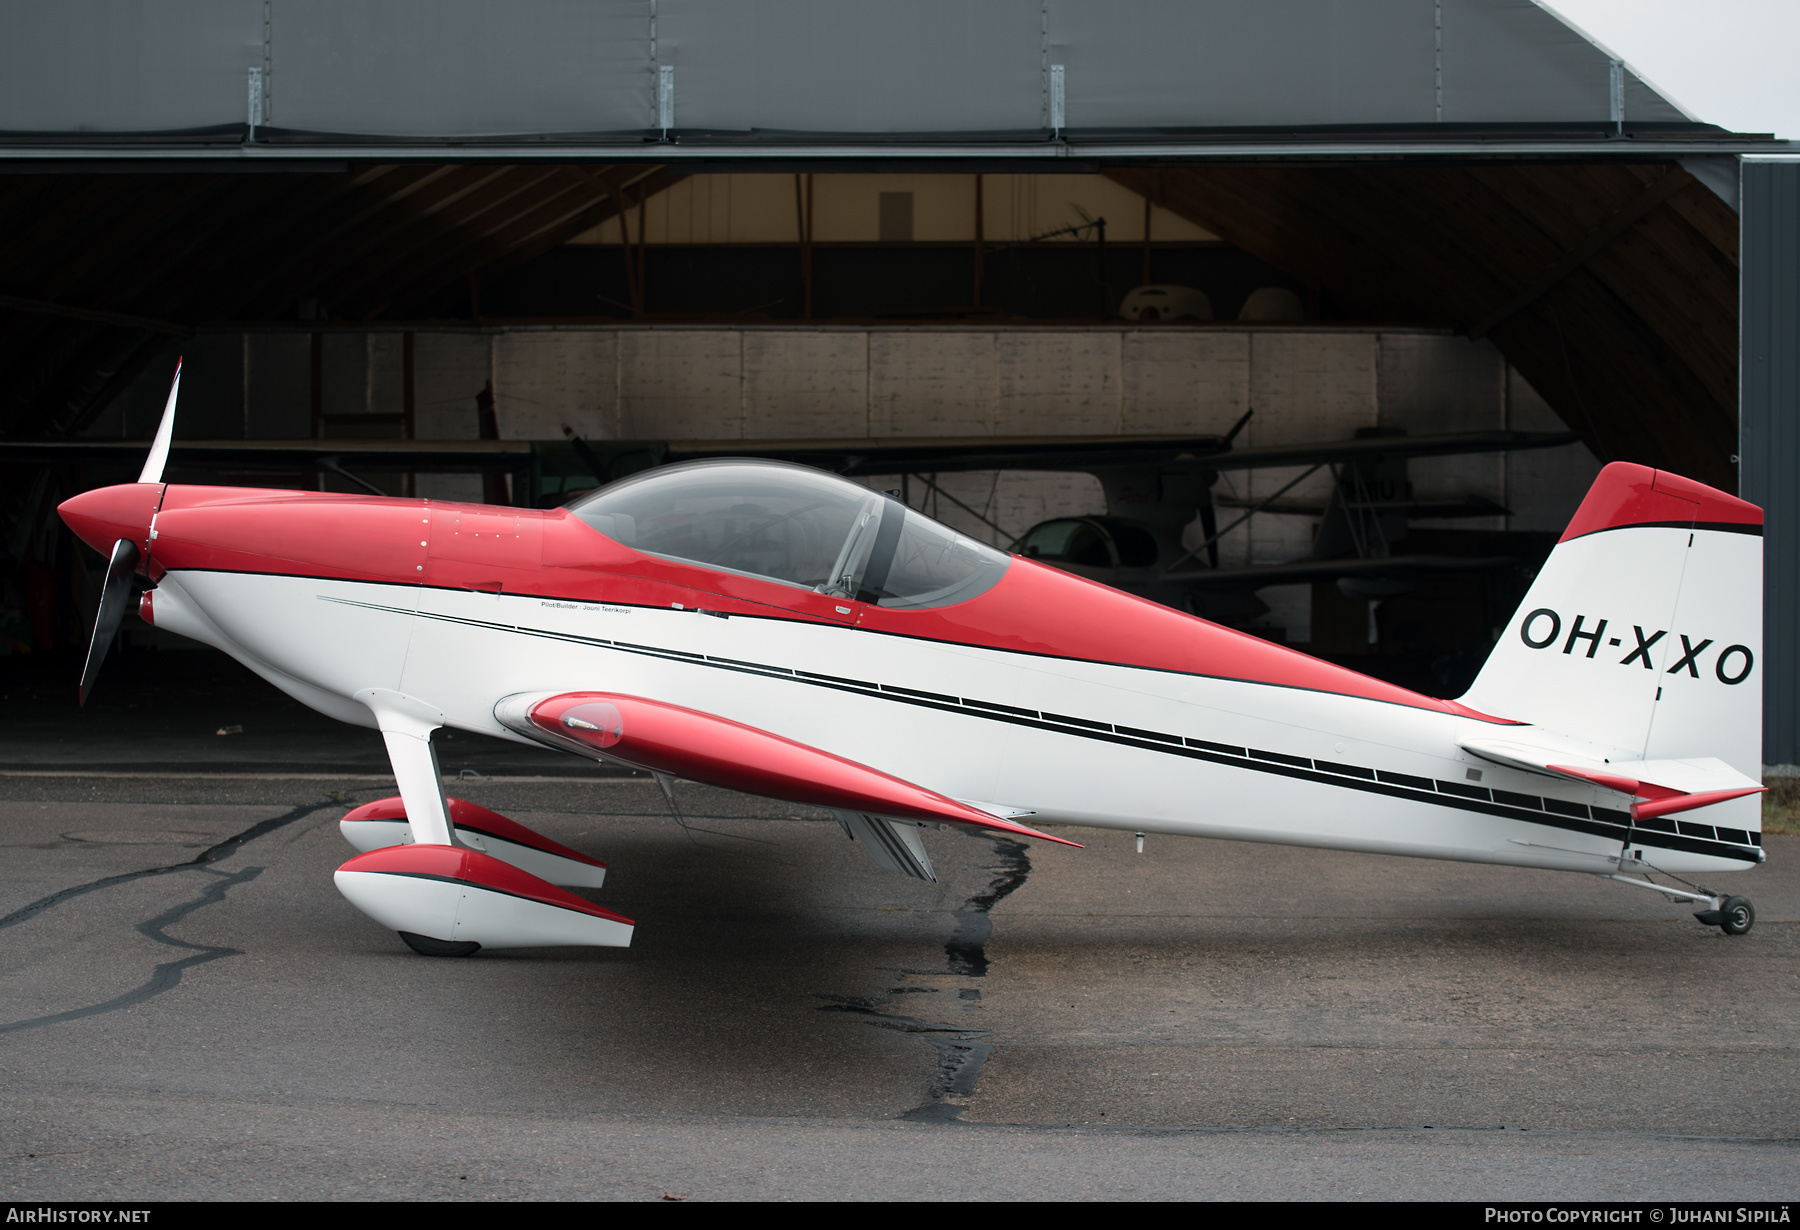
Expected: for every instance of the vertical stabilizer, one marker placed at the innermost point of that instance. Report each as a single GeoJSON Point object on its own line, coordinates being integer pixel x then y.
{"type": "Point", "coordinates": [1643, 631]}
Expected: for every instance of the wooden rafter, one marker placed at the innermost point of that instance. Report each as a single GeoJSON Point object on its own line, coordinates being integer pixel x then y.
{"type": "Point", "coordinates": [498, 197]}
{"type": "Point", "coordinates": [97, 270]}
{"type": "Point", "coordinates": [1622, 219]}
{"type": "Point", "coordinates": [1622, 305]}
{"type": "Point", "coordinates": [368, 206]}
{"type": "Point", "coordinates": [374, 217]}
{"type": "Point", "coordinates": [523, 191]}
{"type": "Point", "coordinates": [551, 224]}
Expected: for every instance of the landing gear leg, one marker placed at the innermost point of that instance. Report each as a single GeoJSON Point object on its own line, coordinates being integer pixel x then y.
{"type": "Point", "coordinates": [406, 725]}
{"type": "Point", "coordinates": [450, 898]}
{"type": "Point", "coordinates": [1732, 915]}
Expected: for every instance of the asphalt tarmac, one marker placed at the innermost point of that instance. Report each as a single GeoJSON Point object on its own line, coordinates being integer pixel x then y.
{"type": "Point", "coordinates": [188, 1009]}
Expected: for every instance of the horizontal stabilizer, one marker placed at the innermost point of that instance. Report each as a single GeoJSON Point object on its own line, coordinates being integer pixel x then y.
{"type": "Point", "coordinates": [703, 747]}
{"type": "Point", "coordinates": [1665, 786]}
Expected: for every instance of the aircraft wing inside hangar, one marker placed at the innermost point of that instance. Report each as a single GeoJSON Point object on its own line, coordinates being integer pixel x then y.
{"type": "Point", "coordinates": [945, 454]}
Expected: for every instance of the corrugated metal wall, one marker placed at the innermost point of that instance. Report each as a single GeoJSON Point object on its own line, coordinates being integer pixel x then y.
{"type": "Point", "coordinates": [442, 68]}
{"type": "Point", "coordinates": [1769, 431]}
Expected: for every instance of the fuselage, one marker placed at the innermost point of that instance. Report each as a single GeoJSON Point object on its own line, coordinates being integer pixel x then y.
{"type": "Point", "coordinates": [1047, 692]}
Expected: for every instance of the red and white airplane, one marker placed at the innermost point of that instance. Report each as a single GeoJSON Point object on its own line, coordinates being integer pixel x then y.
{"type": "Point", "coordinates": [778, 630]}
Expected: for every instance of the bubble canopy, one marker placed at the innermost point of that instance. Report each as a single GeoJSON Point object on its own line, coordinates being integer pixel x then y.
{"type": "Point", "coordinates": [795, 525]}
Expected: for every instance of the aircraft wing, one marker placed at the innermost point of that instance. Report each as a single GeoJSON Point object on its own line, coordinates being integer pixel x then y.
{"type": "Point", "coordinates": [672, 741]}
{"type": "Point", "coordinates": [1451, 444]}
{"type": "Point", "coordinates": [957, 453]}
{"type": "Point", "coordinates": [1449, 509]}
{"type": "Point", "coordinates": [1300, 571]}
{"type": "Point", "coordinates": [537, 465]}
{"type": "Point", "coordinates": [851, 457]}
{"type": "Point", "coordinates": [451, 455]}
{"type": "Point", "coordinates": [952, 454]}
{"type": "Point", "coordinates": [846, 456]}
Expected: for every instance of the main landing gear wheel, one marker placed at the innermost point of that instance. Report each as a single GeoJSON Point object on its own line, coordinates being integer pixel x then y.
{"type": "Point", "coordinates": [429, 947]}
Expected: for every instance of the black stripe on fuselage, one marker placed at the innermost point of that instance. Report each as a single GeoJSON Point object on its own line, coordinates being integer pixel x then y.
{"type": "Point", "coordinates": [1661, 833]}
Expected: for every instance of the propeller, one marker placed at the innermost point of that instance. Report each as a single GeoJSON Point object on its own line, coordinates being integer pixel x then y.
{"type": "Point", "coordinates": [115, 594]}
{"type": "Point", "coordinates": [165, 432]}
{"type": "Point", "coordinates": [113, 597]}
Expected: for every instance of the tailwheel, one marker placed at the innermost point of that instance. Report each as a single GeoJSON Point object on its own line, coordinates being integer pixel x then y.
{"type": "Point", "coordinates": [429, 947]}
{"type": "Point", "coordinates": [1736, 916]}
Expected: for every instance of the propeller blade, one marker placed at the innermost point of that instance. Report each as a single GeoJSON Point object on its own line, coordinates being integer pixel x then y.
{"type": "Point", "coordinates": [113, 597]}
{"type": "Point", "coordinates": [165, 432]}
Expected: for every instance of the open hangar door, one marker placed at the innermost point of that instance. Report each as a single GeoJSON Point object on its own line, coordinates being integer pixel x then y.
{"type": "Point", "coordinates": [1486, 226]}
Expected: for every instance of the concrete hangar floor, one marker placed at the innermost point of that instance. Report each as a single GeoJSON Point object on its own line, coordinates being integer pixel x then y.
{"type": "Point", "coordinates": [189, 1010]}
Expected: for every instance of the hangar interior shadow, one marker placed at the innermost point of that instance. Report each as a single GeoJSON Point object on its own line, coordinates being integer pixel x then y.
{"type": "Point", "coordinates": [1611, 286]}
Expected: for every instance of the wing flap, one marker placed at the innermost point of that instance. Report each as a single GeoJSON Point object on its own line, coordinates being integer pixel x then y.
{"type": "Point", "coordinates": [894, 844]}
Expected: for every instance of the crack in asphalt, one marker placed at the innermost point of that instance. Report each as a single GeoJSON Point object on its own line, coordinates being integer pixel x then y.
{"type": "Point", "coordinates": [211, 854]}
{"type": "Point", "coordinates": [167, 975]}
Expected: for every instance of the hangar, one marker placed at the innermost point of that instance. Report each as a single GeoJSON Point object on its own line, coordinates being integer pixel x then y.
{"type": "Point", "coordinates": [681, 220]}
